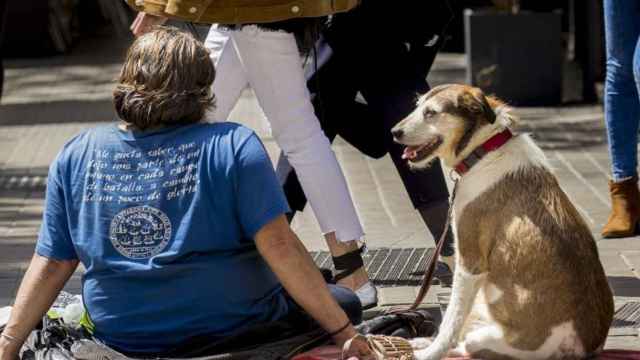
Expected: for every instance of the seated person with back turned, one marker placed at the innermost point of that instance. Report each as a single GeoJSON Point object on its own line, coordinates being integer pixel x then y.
{"type": "Point", "coordinates": [180, 224]}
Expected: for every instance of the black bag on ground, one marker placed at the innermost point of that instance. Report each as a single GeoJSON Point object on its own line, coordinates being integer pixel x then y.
{"type": "Point", "coordinates": [407, 324]}
{"type": "Point", "coordinates": [54, 340]}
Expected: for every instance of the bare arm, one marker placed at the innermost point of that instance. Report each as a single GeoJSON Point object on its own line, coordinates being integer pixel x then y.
{"type": "Point", "coordinates": [39, 288]}
{"type": "Point", "coordinates": [290, 261]}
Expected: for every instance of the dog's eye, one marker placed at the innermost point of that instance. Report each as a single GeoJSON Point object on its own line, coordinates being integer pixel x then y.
{"type": "Point", "coordinates": [429, 113]}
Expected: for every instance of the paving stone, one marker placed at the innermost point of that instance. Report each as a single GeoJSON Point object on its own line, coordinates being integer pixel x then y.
{"type": "Point", "coordinates": [623, 342]}
{"type": "Point", "coordinates": [74, 285]}
{"type": "Point", "coordinates": [614, 263]}
{"type": "Point", "coordinates": [394, 296]}
{"type": "Point", "coordinates": [11, 252]}
{"type": "Point", "coordinates": [23, 231]}
{"type": "Point", "coordinates": [405, 295]}
{"type": "Point", "coordinates": [623, 332]}
{"type": "Point", "coordinates": [632, 258]}
{"type": "Point", "coordinates": [619, 244]}
{"type": "Point", "coordinates": [9, 287]}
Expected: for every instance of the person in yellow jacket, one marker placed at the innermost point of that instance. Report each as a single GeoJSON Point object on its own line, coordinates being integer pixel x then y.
{"type": "Point", "coordinates": [265, 56]}
{"type": "Point", "coordinates": [254, 48]}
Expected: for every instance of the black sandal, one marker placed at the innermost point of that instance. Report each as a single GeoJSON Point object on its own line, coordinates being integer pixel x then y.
{"type": "Point", "coordinates": [345, 265]}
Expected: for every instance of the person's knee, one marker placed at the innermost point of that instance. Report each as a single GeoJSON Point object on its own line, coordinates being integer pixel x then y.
{"type": "Point", "coordinates": [296, 141]}
{"type": "Point", "coordinates": [620, 73]}
{"type": "Point", "coordinates": [349, 302]}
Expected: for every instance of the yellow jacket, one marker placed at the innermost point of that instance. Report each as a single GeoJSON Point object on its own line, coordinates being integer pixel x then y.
{"type": "Point", "coordinates": [241, 11]}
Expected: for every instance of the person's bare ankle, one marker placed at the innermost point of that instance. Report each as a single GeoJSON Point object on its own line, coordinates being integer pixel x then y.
{"type": "Point", "coordinates": [338, 248]}
{"type": "Point", "coordinates": [356, 280]}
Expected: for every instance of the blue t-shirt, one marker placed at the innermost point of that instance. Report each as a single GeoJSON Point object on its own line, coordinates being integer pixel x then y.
{"type": "Point", "coordinates": [164, 224]}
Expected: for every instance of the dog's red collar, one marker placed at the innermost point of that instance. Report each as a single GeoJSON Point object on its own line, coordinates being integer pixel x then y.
{"type": "Point", "coordinates": [495, 142]}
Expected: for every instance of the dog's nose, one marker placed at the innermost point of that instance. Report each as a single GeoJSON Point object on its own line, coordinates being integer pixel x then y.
{"type": "Point", "coordinates": [397, 133]}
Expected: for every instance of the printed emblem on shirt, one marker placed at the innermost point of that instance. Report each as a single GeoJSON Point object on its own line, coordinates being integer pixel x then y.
{"type": "Point", "coordinates": [140, 232]}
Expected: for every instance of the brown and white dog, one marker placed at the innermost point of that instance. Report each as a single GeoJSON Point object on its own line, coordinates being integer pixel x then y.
{"type": "Point", "coordinates": [528, 282]}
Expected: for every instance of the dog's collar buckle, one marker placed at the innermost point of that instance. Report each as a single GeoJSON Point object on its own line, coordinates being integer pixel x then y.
{"type": "Point", "coordinates": [495, 142]}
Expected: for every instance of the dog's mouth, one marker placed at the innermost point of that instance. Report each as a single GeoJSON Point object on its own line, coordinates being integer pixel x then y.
{"type": "Point", "coordinates": [420, 152]}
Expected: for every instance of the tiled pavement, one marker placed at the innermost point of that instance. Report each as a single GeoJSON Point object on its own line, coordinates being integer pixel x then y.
{"type": "Point", "coordinates": [48, 100]}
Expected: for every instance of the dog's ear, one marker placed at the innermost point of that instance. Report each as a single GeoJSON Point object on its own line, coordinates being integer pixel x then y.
{"type": "Point", "coordinates": [504, 113]}
{"type": "Point", "coordinates": [474, 104]}
{"type": "Point", "coordinates": [487, 110]}
{"type": "Point", "coordinates": [473, 107]}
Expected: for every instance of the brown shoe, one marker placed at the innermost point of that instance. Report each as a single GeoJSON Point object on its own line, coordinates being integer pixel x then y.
{"type": "Point", "coordinates": [625, 209]}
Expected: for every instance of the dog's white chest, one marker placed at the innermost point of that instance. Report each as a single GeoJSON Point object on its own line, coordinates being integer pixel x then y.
{"type": "Point", "coordinates": [518, 153]}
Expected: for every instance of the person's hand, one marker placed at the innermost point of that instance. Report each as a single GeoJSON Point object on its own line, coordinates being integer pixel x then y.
{"type": "Point", "coordinates": [354, 345]}
{"type": "Point", "coordinates": [145, 22]}
{"type": "Point", "coordinates": [360, 349]}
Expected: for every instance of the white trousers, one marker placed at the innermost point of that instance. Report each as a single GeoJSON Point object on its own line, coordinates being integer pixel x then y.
{"type": "Point", "coordinates": [270, 63]}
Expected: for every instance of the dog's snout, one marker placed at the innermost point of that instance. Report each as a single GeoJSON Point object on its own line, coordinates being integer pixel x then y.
{"type": "Point", "coordinates": [397, 133]}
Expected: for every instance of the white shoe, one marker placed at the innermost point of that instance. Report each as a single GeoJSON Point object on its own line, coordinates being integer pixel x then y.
{"type": "Point", "coordinates": [368, 295]}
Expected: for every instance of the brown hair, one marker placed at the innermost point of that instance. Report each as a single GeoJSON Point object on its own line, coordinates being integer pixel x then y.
{"type": "Point", "coordinates": [165, 80]}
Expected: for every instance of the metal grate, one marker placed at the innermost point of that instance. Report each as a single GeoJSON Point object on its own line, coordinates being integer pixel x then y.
{"type": "Point", "coordinates": [388, 267]}
{"type": "Point", "coordinates": [23, 182]}
{"type": "Point", "coordinates": [628, 316]}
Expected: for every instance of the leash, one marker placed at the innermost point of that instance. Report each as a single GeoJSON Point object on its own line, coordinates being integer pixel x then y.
{"type": "Point", "coordinates": [431, 266]}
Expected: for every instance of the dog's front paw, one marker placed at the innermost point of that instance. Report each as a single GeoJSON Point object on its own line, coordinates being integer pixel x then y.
{"type": "Point", "coordinates": [458, 352]}
{"type": "Point", "coordinates": [427, 354]}
{"type": "Point", "coordinates": [420, 343]}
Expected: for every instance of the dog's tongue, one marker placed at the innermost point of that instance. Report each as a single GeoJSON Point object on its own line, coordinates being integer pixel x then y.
{"type": "Point", "coordinates": [410, 152]}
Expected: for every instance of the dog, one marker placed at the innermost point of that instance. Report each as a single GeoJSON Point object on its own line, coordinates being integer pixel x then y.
{"type": "Point", "coordinates": [528, 282]}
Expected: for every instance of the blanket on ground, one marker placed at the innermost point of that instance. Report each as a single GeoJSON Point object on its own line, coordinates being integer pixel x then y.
{"type": "Point", "coordinates": [335, 353]}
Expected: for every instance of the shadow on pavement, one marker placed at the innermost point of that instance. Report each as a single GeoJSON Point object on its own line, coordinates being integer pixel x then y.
{"type": "Point", "coordinates": [98, 49]}
{"type": "Point", "coordinates": [58, 112]}
{"type": "Point", "coordinates": [14, 216]}
{"type": "Point", "coordinates": [19, 172]}
{"type": "Point", "coordinates": [627, 286]}
{"type": "Point", "coordinates": [552, 136]}
{"type": "Point", "coordinates": [16, 252]}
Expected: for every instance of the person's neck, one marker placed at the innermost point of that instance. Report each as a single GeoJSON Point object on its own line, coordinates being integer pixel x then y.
{"type": "Point", "coordinates": [130, 127]}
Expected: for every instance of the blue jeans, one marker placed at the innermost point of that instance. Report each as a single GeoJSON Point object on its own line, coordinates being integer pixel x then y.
{"type": "Point", "coordinates": [295, 323]}
{"type": "Point", "coordinates": [346, 299]}
{"type": "Point", "coordinates": [622, 87]}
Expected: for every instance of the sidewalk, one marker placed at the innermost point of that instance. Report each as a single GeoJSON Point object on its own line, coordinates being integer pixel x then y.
{"type": "Point", "coordinates": [49, 100]}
